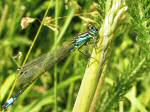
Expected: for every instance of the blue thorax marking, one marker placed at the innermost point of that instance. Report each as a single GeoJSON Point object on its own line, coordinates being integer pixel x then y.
{"type": "Point", "coordinates": [85, 37]}
{"type": "Point", "coordinates": [82, 39]}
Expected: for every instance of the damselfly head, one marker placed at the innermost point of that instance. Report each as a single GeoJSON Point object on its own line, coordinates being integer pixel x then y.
{"type": "Point", "coordinates": [93, 30]}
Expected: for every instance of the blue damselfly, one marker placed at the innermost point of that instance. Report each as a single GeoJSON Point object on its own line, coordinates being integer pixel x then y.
{"type": "Point", "coordinates": [35, 68]}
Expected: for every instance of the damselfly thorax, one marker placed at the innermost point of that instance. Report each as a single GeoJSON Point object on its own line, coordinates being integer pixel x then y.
{"type": "Point", "coordinates": [83, 38]}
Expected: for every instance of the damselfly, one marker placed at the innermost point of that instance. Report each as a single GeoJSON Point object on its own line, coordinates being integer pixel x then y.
{"type": "Point", "coordinates": [32, 70]}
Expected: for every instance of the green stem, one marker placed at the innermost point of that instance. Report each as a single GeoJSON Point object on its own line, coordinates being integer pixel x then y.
{"type": "Point", "coordinates": [55, 88]}
{"type": "Point", "coordinates": [69, 101]}
{"type": "Point", "coordinates": [66, 24]}
{"type": "Point", "coordinates": [97, 92]}
{"type": "Point", "coordinates": [95, 69]}
{"type": "Point", "coordinates": [56, 20]}
{"type": "Point", "coordinates": [36, 36]}
{"type": "Point", "coordinates": [3, 18]}
{"type": "Point", "coordinates": [14, 19]}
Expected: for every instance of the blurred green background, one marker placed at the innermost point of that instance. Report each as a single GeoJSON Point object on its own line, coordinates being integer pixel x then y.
{"type": "Point", "coordinates": [42, 97]}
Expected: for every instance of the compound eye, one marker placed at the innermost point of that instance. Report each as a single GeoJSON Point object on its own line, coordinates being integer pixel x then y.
{"type": "Point", "coordinates": [92, 27]}
{"type": "Point", "coordinates": [96, 29]}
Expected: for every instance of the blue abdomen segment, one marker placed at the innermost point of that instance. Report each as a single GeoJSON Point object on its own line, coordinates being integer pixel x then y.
{"type": "Point", "coordinates": [11, 100]}
{"type": "Point", "coordinates": [9, 103]}
{"type": "Point", "coordinates": [82, 39]}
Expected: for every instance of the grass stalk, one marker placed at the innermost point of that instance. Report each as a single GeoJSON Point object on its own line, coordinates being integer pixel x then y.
{"type": "Point", "coordinates": [121, 104]}
{"type": "Point", "coordinates": [55, 88]}
{"type": "Point", "coordinates": [14, 19]}
{"type": "Point", "coordinates": [95, 69]}
{"type": "Point", "coordinates": [55, 70]}
{"type": "Point", "coordinates": [69, 100]}
{"type": "Point", "coordinates": [3, 18]}
{"type": "Point", "coordinates": [56, 20]}
{"type": "Point", "coordinates": [63, 30]}
{"type": "Point", "coordinates": [98, 90]}
{"type": "Point", "coordinates": [36, 36]}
